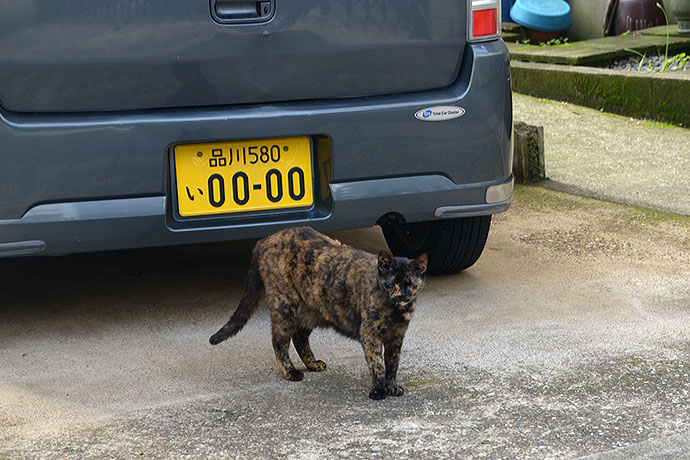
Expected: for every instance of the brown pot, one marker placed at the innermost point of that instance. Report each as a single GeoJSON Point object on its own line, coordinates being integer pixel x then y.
{"type": "Point", "coordinates": [637, 15]}
{"type": "Point", "coordinates": [539, 36]}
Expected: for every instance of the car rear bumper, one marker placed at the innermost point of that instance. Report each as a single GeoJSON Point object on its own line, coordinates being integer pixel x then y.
{"type": "Point", "coordinates": [60, 228]}
{"type": "Point", "coordinates": [87, 182]}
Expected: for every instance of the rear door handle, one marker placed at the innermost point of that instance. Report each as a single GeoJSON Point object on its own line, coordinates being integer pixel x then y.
{"type": "Point", "coordinates": [241, 11]}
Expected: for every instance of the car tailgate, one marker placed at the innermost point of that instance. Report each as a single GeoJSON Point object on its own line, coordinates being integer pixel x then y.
{"type": "Point", "coordinates": [90, 55]}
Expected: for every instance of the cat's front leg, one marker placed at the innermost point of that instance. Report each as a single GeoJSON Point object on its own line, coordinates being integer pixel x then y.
{"type": "Point", "coordinates": [392, 357]}
{"type": "Point", "coordinates": [372, 352]}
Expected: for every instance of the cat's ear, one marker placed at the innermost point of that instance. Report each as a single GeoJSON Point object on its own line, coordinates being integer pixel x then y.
{"type": "Point", "coordinates": [420, 263]}
{"type": "Point", "coordinates": [385, 262]}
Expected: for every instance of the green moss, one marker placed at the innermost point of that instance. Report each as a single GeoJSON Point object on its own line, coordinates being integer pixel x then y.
{"type": "Point", "coordinates": [538, 198]}
{"type": "Point", "coordinates": [667, 104]}
{"type": "Point", "coordinates": [633, 215]}
{"type": "Point", "coordinates": [659, 124]}
{"type": "Point", "coordinates": [619, 95]}
{"type": "Point", "coordinates": [599, 51]}
{"type": "Point", "coordinates": [417, 383]}
{"type": "Point", "coordinates": [469, 393]}
{"type": "Point", "coordinates": [633, 360]}
{"type": "Point", "coordinates": [632, 375]}
{"type": "Point", "coordinates": [633, 95]}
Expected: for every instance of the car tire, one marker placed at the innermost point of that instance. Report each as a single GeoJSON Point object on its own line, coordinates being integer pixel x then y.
{"type": "Point", "coordinates": [451, 244]}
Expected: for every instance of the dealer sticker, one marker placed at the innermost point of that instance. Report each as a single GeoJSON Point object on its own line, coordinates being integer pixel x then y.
{"type": "Point", "coordinates": [439, 113]}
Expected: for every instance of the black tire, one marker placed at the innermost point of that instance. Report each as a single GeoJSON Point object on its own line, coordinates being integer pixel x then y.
{"type": "Point", "coordinates": [451, 244]}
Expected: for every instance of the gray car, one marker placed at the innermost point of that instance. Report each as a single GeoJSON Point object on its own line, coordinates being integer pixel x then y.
{"type": "Point", "coordinates": [134, 123]}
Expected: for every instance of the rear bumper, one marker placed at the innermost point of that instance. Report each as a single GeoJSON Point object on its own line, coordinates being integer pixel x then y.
{"type": "Point", "coordinates": [88, 182]}
{"type": "Point", "coordinates": [143, 222]}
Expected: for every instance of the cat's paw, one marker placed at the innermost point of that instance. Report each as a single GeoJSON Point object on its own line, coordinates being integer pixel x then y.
{"type": "Point", "coordinates": [378, 393]}
{"type": "Point", "coordinates": [393, 389]}
{"type": "Point", "coordinates": [294, 375]}
{"type": "Point", "coordinates": [317, 366]}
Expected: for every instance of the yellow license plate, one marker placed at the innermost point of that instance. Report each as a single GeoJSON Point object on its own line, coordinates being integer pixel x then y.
{"type": "Point", "coordinates": [241, 176]}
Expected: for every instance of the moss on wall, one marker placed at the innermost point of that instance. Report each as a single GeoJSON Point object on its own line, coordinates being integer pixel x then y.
{"type": "Point", "coordinates": [634, 95]}
{"type": "Point", "coordinates": [671, 101]}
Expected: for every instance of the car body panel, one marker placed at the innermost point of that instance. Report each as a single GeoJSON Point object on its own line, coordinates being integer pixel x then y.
{"type": "Point", "coordinates": [75, 181]}
{"type": "Point", "coordinates": [125, 154]}
{"type": "Point", "coordinates": [84, 55]}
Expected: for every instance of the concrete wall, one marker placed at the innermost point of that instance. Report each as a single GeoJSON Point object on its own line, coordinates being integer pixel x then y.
{"type": "Point", "coordinates": [658, 96]}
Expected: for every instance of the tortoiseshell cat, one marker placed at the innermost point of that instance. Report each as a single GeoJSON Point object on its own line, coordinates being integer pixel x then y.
{"type": "Point", "coordinates": [314, 281]}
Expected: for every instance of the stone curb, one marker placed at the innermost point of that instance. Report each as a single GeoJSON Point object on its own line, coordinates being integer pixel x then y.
{"type": "Point", "coordinates": [601, 51]}
{"type": "Point", "coordinates": [655, 96]}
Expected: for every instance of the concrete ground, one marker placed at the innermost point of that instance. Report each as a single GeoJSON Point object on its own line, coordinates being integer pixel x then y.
{"type": "Point", "coordinates": [611, 157]}
{"type": "Point", "coordinates": [570, 338]}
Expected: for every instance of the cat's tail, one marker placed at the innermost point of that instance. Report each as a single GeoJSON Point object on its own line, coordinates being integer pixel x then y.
{"type": "Point", "coordinates": [252, 291]}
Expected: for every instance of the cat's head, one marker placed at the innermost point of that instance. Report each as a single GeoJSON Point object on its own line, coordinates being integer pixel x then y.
{"type": "Point", "coordinates": [401, 278]}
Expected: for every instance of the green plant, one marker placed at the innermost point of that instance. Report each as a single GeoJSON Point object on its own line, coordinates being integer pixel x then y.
{"type": "Point", "coordinates": [643, 56]}
{"type": "Point", "coordinates": [679, 59]}
{"type": "Point", "coordinates": [666, 60]}
{"type": "Point", "coordinates": [555, 41]}
{"type": "Point", "coordinates": [552, 42]}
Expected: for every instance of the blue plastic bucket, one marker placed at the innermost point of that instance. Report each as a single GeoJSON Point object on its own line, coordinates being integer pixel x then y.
{"type": "Point", "coordinates": [544, 15]}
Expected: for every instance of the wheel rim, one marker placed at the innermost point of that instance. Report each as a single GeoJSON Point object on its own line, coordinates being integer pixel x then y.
{"type": "Point", "coordinates": [413, 236]}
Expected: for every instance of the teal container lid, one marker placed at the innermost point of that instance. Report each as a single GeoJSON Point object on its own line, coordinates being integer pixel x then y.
{"type": "Point", "coordinates": [544, 15]}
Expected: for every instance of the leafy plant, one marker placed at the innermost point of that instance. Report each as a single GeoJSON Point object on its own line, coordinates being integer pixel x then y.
{"type": "Point", "coordinates": [679, 60]}
{"type": "Point", "coordinates": [552, 42]}
{"type": "Point", "coordinates": [555, 41]}
{"type": "Point", "coordinates": [643, 56]}
{"type": "Point", "coordinates": [666, 60]}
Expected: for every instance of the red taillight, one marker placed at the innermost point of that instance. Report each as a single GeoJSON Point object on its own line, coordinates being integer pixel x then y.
{"type": "Point", "coordinates": [484, 23]}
